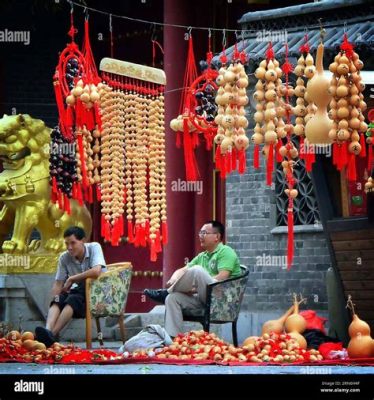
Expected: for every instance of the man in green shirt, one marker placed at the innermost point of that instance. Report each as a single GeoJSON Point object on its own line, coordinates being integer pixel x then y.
{"type": "Point", "coordinates": [187, 286]}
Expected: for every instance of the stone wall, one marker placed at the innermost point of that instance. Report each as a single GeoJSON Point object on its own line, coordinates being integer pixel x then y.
{"type": "Point", "coordinates": [250, 221]}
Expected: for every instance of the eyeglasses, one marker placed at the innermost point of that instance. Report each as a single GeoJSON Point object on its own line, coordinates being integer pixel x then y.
{"type": "Point", "coordinates": [203, 233]}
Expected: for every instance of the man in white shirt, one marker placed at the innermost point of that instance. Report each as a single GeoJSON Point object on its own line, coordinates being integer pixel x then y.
{"type": "Point", "coordinates": [81, 260]}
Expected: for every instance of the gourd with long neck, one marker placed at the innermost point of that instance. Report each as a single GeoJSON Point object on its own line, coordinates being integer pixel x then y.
{"type": "Point", "coordinates": [317, 128]}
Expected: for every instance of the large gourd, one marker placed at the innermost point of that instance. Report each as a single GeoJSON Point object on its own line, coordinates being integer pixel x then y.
{"type": "Point", "coordinates": [361, 344]}
{"type": "Point", "coordinates": [276, 325]}
{"type": "Point", "coordinates": [295, 324]}
{"type": "Point", "coordinates": [318, 127]}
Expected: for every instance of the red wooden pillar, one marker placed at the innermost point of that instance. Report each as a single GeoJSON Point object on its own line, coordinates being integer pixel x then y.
{"type": "Point", "coordinates": [180, 204]}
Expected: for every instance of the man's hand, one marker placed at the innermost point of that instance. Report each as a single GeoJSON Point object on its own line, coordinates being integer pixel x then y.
{"type": "Point", "coordinates": [68, 284]}
{"type": "Point", "coordinates": [176, 275]}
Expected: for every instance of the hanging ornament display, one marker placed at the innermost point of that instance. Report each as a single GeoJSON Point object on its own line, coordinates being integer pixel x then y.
{"type": "Point", "coordinates": [289, 152]}
{"type": "Point", "coordinates": [187, 112]}
{"type": "Point", "coordinates": [231, 139]}
{"type": "Point", "coordinates": [317, 128]}
{"type": "Point", "coordinates": [269, 111]}
{"type": "Point", "coordinates": [62, 168]}
{"type": "Point", "coordinates": [133, 168]}
{"type": "Point", "coordinates": [70, 67]}
{"type": "Point", "coordinates": [305, 108]}
{"type": "Point", "coordinates": [198, 101]}
{"type": "Point", "coordinates": [346, 109]}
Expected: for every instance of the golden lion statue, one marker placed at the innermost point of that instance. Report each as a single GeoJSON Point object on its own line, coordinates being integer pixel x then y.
{"type": "Point", "coordinates": [25, 191]}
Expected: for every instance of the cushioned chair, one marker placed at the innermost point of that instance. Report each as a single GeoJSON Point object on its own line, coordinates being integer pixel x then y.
{"type": "Point", "coordinates": [223, 301]}
{"type": "Point", "coordinates": [107, 297]}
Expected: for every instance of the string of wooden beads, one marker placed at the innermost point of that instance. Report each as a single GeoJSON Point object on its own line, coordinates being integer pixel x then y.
{"type": "Point", "coordinates": [157, 188]}
{"type": "Point", "coordinates": [107, 107]}
{"type": "Point", "coordinates": [130, 140]}
{"type": "Point", "coordinates": [96, 160]}
{"type": "Point", "coordinates": [347, 105]}
{"type": "Point", "coordinates": [140, 170]}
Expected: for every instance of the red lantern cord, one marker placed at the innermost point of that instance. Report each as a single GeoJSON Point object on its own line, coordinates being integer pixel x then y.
{"type": "Point", "coordinates": [287, 69]}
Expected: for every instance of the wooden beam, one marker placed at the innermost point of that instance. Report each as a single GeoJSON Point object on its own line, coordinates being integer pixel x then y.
{"type": "Point", "coordinates": [353, 244]}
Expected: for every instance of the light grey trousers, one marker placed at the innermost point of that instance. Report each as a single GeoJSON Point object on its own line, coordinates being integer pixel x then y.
{"type": "Point", "coordinates": [195, 278]}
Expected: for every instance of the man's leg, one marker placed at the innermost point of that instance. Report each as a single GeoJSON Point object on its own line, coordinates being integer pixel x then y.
{"type": "Point", "coordinates": [65, 316]}
{"type": "Point", "coordinates": [195, 278]}
{"type": "Point", "coordinates": [174, 304]}
{"type": "Point", "coordinates": [53, 314]}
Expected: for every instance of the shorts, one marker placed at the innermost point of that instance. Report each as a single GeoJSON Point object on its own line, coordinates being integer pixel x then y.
{"type": "Point", "coordinates": [76, 299]}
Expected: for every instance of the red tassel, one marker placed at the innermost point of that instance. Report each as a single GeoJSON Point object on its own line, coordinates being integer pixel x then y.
{"type": "Point", "coordinates": [97, 116]}
{"type": "Point", "coordinates": [90, 194]}
{"type": "Point", "coordinates": [302, 151]}
{"type": "Point", "coordinates": [278, 157]}
{"type": "Point", "coordinates": [67, 208]}
{"type": "Point", "coordinates": [363, 145]}
{"type": "Point", "coordinates": [195, 139]}
{"type": "Point", "coordinates": [351, 171]}
{"type": "Point", "coordinates": [107, 230]}
{"type": "Point", "coordinates": [370, 158]}
{"type": "Point", "coordinates": [242, 161]}
{"type": "Point", "coordinates": [115, 233]}
{"type": "Point", "coordinates": [290, 236]}
{"type": "Point", "coordinates": [218, 158]}
{"type": "Point", "coordinates": [223, 166]}
{"type": "Point", "coordinates": [79, 193]}
{"type": "Point", "coordinates": [60, 200]}
{"type": "Point", "coordinates": [165, 234]}
{"type": "Point", "coordinates": [189, 154]}
{"type": "Point", "coordinates": [234, 159]}
{"type": "Point", "coordinates": [256, 156]}
{"type": "Point", "coordinates": [309, 161]}
{"type": "Point", "coordinates": [98, 192]}
{"type": "Point", "coordinates": [228, 157]}
{"type": "Point", "coordinates": [54, 184]}
{"type": "Point", "coordinates": [158, 242]}
{"type": "Point", "coordinates": [54, 197]}
{"type": "Point", "coordinates": [153, 256]}
{"type": "Point", "coordinates": [90, 119]}
{"type": "Point", "coordinates": [69, 116]}
{"type": "Point", "coordinates": [130, 231]}
{"type": "Point", "coordinates": [270, 165]}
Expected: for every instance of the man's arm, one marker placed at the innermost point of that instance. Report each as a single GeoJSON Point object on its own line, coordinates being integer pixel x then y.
{"type": "Point", "coordinates": [176, 275]}
{"type": "Point", "coordinates": [57, 288]}
{"type": "Point", "coordinates": [222, 275]}
{"type": "Point", "coordinates": [93, 273]}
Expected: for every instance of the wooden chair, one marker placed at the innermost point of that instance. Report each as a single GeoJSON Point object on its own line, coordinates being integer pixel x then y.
{"type": "Point", "coordinates": [223, 301]}
{"type": "Point", "coordinates": [107, 297]}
